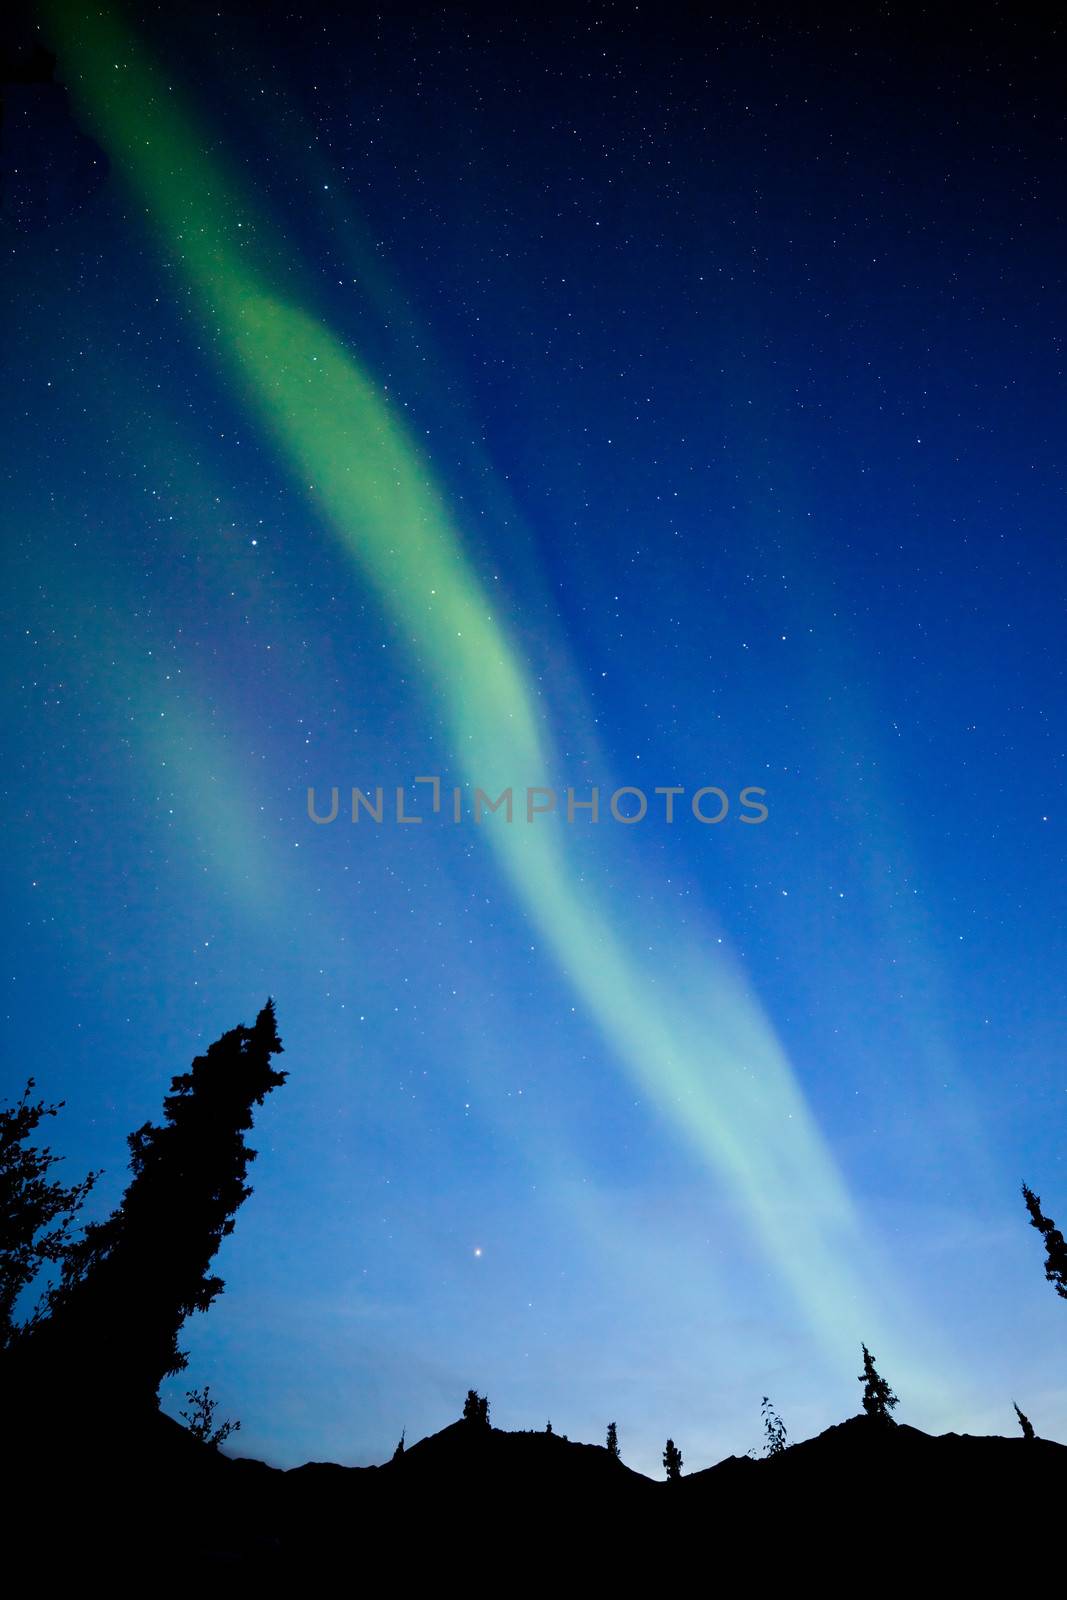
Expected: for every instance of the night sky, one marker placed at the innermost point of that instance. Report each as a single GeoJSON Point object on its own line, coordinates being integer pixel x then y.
{"type": "Point", "coordinates": [633, 397]}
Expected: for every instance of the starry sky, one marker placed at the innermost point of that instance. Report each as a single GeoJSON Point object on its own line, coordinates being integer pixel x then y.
{"type": "Point", "coordinates": [633, 399]}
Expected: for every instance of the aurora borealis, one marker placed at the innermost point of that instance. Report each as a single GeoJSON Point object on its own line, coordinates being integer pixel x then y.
{"type": "Point", "coordinates": [425, 397]}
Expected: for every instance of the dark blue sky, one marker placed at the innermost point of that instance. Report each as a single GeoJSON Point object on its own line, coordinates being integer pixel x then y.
{"type": "Point", "coordinates": [724, 361]}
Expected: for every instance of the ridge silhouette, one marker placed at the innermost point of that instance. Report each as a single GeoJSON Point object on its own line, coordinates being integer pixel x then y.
{"type": "Point", "coordinates": [105, 1479]}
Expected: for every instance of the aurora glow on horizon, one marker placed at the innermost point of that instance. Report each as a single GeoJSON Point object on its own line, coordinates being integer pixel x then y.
{"type": "Point", "coordinates": [648, 983]}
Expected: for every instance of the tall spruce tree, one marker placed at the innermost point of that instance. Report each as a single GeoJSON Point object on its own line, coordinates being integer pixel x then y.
{"type": "Point", "coordinates": [613, 1440]}
{"type": "Point", "coordinates": [130, 1282]}
{"type": "Point", "coordinates": [1055, 1246]}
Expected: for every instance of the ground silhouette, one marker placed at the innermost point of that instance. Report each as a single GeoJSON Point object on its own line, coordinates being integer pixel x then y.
{"type": "Point", "coordinates": [861, 1493]}
{"type": "Point", "coordinates": [104, 1482]}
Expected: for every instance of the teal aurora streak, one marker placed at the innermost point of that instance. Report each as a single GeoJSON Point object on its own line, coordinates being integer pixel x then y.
{"type": "Point", "coordinates": [686, 1028]}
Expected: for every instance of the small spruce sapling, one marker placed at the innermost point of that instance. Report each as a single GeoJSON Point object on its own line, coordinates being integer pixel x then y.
{"type": "Point", "coordinates": [476, 1409]}
{"type": "Point", "coordinates": [774, 1429]}
{"type": "Point", "coordinates": [201, 1419]}
{"type": "Point", "coordinates": [878, 1397]}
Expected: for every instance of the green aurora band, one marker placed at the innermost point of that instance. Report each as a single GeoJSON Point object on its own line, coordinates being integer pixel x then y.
{"type": "Point", "coordinates": [687, 1029]}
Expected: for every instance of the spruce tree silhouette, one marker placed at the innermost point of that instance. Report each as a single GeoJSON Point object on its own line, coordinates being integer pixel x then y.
{"type": "Point", "coordinates": [672, 1460]}
{"type": "Point", "coordinates": [129, 1283]}
{"type": "Point", "coordinates": [399, 1451]}
{"type": "Point", "coordinates": [1055, 1246]}
{"type": "Point", "coordinates": [201, 1419]}
{"type": "Point", "coordinates": [1025, 1424]}
{"type": "Point", "coordinates": [878, 1397]}
{"type": "Point", "coordinates": [613, 1440]}
{"type": "Point", "coordinates": [36, 1214]}
{"type": "Point", "coordinates": [476, 1409]}
{"type": "Point", "coordinates": [774, 1428]}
